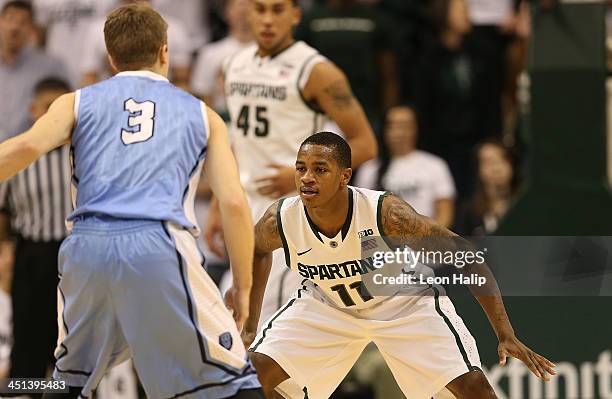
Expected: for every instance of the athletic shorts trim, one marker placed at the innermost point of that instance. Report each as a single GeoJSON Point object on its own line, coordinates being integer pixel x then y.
{"type": "Point", "coordinates": [212, 385]}
{"type": "Point", "coordinates": [452, 328]}
{"type": "Point", "coordinates": [280, 312]}
{"type": "Point", "coordinates": [191, 310]}
{"type": "Point", "coordinates": [279, 224]}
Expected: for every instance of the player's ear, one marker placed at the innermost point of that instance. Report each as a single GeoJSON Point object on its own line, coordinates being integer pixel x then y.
{"type": "Point", "coordinates": [163, 56]}
{"type": "Point", "coordinates": [347, 173]}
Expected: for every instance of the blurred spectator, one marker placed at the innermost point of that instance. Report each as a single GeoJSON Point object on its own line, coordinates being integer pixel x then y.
{"type": "Point", "coordinates": [21, 66]}
{"type": "Point", "coordinates": [497, 185]}
{"type": "Point", "coordinates": [456, 104]}
{"type": "Point", "coordinates": [63, 25]}
{"type": "Point", "coordinates": [410, 29]}
{"type": "Point", "coordinates": [515, 73]}
{"type": "Point", "coordinates": [38, 201]}
{"type": "Point", "coordinates": [6, 271]}
{"type": "Point", "coordinates": [193, 16]}
{"type": "Point", "coordinates": [94, 64]}
{"type": "Point", "coordinates": [498, 13]}
{"type": "Point", "coordinates": [360, 40]}
{"type": "Point", "coordinates": [206, 80]}
{"type": "Point", "coordinates": [421, 179]}
{"type": "Point", "coordinates": [494, 28]}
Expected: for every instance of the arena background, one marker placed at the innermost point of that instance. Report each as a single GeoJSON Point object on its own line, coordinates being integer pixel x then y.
{"type": "Point", "coordinates": [566, 193]}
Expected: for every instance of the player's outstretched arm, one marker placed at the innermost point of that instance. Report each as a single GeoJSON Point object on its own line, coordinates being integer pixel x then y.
{"type": "Point", "coordinates": [401, 221]}
{"type": "Point", "coordinates": [222, 172]}
{"type": "Point", "coordinates": [329, 88]}
{"type": "Point", "coordinates": [267, 239]}
{"type": "Point", "coordinates": [50, 131]}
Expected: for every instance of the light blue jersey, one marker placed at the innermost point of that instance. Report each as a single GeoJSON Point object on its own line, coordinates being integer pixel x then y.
{"type": "Point", "coordinates": [132, 281]}
{"type": "Point", "coordinates": [138, 147]}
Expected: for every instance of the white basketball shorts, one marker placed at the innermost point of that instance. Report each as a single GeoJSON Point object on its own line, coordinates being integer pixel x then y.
{"type": "Point", "coordinates": [423, 340]}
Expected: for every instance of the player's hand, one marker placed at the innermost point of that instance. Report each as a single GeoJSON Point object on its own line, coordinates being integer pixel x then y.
{"type": "Point", "coordinates": [278, 184]}
{"type": "Point", "coordinates": [213, 231]}
{"type": "Point", "coordinates": [538, 364]}
{"type": "Point", "coordinates": [237, 301]}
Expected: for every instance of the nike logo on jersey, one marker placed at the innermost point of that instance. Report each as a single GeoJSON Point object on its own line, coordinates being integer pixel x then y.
{"type": "Point", "coordinates": [305, 252]}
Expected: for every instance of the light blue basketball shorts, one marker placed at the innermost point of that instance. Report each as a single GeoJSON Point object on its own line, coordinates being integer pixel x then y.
{"type": "Point", "coordinates": [138, 289]}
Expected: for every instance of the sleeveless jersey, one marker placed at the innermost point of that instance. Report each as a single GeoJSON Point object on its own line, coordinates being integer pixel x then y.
{"type": "Point", "coordinates": [335, 264]}
{"type": "Point", "coordinates": [269, 116]}
{"type": "Point", "coordinates": [137, 150]}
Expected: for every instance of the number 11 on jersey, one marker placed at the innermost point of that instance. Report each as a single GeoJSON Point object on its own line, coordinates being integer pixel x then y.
{"type": "Point", "coordinates": [345, 296]}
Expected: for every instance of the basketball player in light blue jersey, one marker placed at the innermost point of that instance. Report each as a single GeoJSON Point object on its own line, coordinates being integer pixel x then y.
{"type": "Point", "coordinates": [131, 278]}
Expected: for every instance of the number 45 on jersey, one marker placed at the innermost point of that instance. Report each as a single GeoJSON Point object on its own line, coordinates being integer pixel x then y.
{"type": "Point", "coordinates": [262, 126]}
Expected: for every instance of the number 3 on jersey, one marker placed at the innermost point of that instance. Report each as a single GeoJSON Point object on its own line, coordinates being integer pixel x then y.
{"type": "Point", "coordinates": [141, 121]}
{"type": "Point", "coordinates": [262, 127]}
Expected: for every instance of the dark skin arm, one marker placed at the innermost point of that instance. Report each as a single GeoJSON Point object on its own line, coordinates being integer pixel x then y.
{"type": "Point", "coordinates": [401, 221]}
{"type": "Point", "coordinates": [267, 239]}
{"type": "Point", "coordinates": [329, 88]}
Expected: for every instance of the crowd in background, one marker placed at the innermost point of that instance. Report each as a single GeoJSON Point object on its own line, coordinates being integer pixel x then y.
{"type": "Point", "coordinates": [438, 79]}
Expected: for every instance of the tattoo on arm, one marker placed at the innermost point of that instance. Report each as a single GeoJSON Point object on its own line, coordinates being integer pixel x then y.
{"type": "Point", "coordinates": [401, 220]}
{"type": "Point", "coordinates": [340, 94]}
{"type": "Point", "coordinates": [267, 238]}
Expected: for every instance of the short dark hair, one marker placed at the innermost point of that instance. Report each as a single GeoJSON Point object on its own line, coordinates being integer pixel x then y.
{"type": "Point", "coordinates": [20, 5]}
{"type": "Point", "coordinates": [133, 35]}
{"type": "Point", "coordinates": [51, 84]}
{"type": "Point", "coordinates": [342, 150]}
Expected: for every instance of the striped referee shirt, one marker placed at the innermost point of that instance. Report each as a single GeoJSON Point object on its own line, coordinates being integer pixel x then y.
{"type": "Point", "coordinates": [38, 198]}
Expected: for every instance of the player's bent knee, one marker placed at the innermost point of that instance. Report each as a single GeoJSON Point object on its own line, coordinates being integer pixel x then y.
{"type": "Point", "coordinates": [269, 372]}
{"type": "Point", "coordinates": [472, 385]}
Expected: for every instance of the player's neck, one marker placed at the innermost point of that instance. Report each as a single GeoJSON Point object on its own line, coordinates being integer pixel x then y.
{"type": "Point", "coordinates": [154, 69]}
{"type": "Point", "coordinates": [278, 49]}
{"type": "Point", "coordinates": [330, 218]}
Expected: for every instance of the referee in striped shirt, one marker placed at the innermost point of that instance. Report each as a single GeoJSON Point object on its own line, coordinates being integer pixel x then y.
{"type": "Point", "coordinates": [37, 201]}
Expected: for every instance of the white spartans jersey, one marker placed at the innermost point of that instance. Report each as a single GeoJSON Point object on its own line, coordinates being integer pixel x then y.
{"type": "Point", "coordinates": [334, 265]}
{"type": "Point", "coordinates": [269, 117]}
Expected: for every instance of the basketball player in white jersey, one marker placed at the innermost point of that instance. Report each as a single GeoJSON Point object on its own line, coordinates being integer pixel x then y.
{"type": "Point", "coordinates": [319, 334]}
{"type": "Point", "coordinates": [279, 92]}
